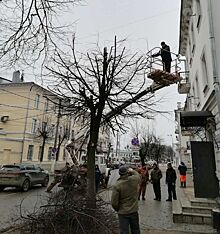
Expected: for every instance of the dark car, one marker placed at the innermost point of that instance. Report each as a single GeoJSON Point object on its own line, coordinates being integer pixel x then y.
{"type": "Point", "coordinates": [22, 176]}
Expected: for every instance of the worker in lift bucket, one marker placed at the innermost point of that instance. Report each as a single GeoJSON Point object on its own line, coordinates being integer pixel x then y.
{"type": "Point", "coordinates": [165, 55]}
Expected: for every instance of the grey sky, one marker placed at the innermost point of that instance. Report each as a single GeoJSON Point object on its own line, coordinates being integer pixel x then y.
{"type": "Point", "coordinates": [144, 23]}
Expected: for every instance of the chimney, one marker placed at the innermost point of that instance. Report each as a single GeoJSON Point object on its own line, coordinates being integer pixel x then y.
{"type": "Point", "coordinates": [16, 77]}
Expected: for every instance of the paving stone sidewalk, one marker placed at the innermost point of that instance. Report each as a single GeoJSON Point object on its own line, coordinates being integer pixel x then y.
{"type": "Point", "coordinates": [156, 217]}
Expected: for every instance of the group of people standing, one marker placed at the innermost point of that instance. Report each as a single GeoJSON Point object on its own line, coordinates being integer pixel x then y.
{"type": "Point", "coordinates": [131, 186]}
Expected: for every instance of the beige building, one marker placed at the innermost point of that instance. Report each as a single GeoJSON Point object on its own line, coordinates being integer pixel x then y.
{"type": "Point", "coordinates": [28, 115]}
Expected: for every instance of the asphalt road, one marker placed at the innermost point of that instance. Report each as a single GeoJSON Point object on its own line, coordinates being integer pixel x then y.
{"type": "Point", "coordinates": [14, 203]}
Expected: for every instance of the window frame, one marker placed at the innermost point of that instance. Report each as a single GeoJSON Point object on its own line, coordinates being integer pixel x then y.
{"type": "Point", "coordinates": [49, 155]}
{"type": "Point", "coordinates": [34, 126]}
{"type": "Point", "coordinates": [30, 152]}
{"type": "Point", "coordinates": [37, 101]}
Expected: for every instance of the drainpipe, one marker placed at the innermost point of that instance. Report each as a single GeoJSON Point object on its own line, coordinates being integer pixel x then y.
{"type": "Point", "coordinates": [213, 51]}
{"type": "Point", "coordinates": [25, 123]}
{"type": "Point", "coordinates": [214, 62]}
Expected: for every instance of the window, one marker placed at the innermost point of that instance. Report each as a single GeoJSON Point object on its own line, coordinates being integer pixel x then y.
{"type": "Point", "coordinates": [197, 97]}
{"type": "Point", "coordinates": [49, 153]}
{"type": "Point", "coordinates": [204, 69]}
{"type": "Point", "coordinates": [198, 13]}
{"type": "Point", "coordinates": [192, 38]}
{"type": "Point", "coordinates": [52, 131]}
{"type": "Point", "coordinates": [46, 106]}
{"type": "Point", "coordinates": [30, 152]}
{"type": "Point", "coordinates": [44, 126]}
{"type": "Point", "coordinates": [34, 126]}
{"type": "Point", "coordinates": [37, 100]}
{"type": "Point", "coordinates": [39, 153]}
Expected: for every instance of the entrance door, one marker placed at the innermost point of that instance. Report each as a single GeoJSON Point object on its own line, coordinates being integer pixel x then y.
{"type": "Point", "coordinates": [206, 184]}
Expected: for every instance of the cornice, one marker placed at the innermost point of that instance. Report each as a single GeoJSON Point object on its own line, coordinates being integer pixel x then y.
{"type": "Point", "coordinates": [185, 14]}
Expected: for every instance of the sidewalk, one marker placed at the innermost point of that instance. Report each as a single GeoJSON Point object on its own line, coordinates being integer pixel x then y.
{"type": "Point", "coordinates": [156, 217]}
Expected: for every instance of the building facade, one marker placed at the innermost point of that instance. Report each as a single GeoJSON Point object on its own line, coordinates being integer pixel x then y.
{"type": "Point", "coordinates": [28, 115]}
{"type": "Point", "coordinates": [199, 42]}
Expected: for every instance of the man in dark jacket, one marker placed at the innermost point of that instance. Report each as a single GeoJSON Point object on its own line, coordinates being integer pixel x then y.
{"type": "Point", "coordinates": [124, 200]}
{"type": "Point", "coordinates": [156, 175]}
{"type": "Point", "coordinates": [165, 55]}
{"type": "Point", "coordinates": [171, 182]}
{"type": "Point", "coordinates": [98, 175]}
{"type": "Point", "coordinates": [182, 169]}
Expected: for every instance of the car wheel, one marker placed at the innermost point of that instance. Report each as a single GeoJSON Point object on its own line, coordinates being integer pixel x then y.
{"type": "Point", "coordinates": [26, 185]}
{"type": "Point", "coordinates": [45, 183]}
{"type": "Point", "coordinates": [1, 188]}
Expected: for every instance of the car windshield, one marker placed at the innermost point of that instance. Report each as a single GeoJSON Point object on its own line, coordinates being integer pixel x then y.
{"type": "Point", "coordinates": [10, 168]}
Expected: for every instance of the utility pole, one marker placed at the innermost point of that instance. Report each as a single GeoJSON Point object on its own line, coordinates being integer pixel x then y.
{"type": "Point", "coordinates": [116, 151]}
{"type": "Point", "coordinates": [57, 129]}
{"type": "Point", "coordinates": [54, 150]}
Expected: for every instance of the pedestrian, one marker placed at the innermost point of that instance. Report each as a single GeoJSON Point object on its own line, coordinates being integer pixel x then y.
{"type": "Point", "coordinates": [156, 176]}
{"type": "Point", "coordinates": [97, 177]}
{"type": "Point", "coordinates": [143, 171]}
{"type": "Point", "coordinates": [171, 182]}
{"type": "Point", "coordinates": [107, 176]}
{"type": "Point", "coordinates": [58, 177]}
{"type": "Point", "coordinates": [182, 170]}
{"type": "Point", "coordinates": [165, 55]}
{"type": "Point", "coordinates": [124, 200]}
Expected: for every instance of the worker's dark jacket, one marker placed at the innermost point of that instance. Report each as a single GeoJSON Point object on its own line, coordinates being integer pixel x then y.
{"type": "Point", "coordinates": [155, 175]}
{"type": "Point", "coordinates": [182, 169]}
{"type": "Point", "coordinates": [170, 175]}
{"type": "Point", "coordinates": [125, 194]}
{"type": "Point", "coordinates": [164, 53]}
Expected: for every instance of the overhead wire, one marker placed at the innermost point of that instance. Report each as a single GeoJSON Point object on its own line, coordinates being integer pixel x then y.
{"type": "Point", "coordinates": [28, 98]}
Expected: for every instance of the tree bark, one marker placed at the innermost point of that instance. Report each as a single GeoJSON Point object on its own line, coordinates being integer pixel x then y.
{"type": "Point", "coordinates": [42, 151]}
{"type": "Point", "coordinates": [91, 150]}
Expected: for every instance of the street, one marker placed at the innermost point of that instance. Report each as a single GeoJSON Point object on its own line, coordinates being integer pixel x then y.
{"type": "Point", "coordinates": [12, 202]}
{"type": "Point", "coordinates": [155, 216]}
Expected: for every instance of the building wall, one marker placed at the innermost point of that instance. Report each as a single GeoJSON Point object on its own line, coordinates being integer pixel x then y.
{"type": "Point", "coordinates": [201, 57]}
{"type": "Point", "coordinates": [18, 101]}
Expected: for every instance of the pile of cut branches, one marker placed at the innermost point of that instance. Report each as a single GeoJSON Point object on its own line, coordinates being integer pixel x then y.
{"type": "Point", "coordinates": [67, 213]}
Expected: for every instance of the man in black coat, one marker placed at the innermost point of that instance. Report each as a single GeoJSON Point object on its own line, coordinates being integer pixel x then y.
{"type": "Point", "coordinates": [171, 182]}
{"type": "Point", "coordinates": [165, 55]}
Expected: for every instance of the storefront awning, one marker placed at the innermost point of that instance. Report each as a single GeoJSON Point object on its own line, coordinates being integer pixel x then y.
{"type": "Point", "coordinates": [194, 118]}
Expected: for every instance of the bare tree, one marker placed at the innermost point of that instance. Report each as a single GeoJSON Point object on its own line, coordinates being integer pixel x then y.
{"type": "Point", "coordinates": [30, 28]}
{"type": "Point", "coordinates": [44, 132]}
{"type": "Point", "coordinates": [145, 147]}
{"type": "Point", "coordinates": [157, 149]}
{"type": "Point", "coordinates": [102, 86]}
{"type": "Point", "coordinates": [63, 135]}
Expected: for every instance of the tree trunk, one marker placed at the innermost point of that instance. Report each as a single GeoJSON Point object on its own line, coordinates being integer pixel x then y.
{"type": "Point", "coordinates": [91, 150]}
{"type": "Point", "coordinates": [42, 151]}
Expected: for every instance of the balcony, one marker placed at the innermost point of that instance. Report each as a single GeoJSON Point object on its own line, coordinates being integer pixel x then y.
{"type": "Point", "coordinates": [184, 87]}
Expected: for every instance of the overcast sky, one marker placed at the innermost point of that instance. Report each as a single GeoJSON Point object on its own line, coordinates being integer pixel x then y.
{"type": "Point", "coordinates": [144, 24]}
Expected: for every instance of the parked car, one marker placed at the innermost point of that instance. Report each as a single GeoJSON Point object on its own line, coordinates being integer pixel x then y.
{"type": "Point", "coordinates": [22, 176]}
